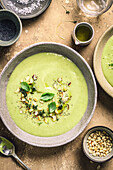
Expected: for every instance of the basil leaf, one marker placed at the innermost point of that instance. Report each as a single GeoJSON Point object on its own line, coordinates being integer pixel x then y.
{"type": "Point", "coordinates": [52, 107]}
{"type": "Point", "coordinates": [25, 86]}
{"type": "Point", "coordinates": [47, 96]}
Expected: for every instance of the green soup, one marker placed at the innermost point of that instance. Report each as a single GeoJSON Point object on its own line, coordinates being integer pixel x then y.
{"type": "Point", "coordinates": [48, 67]}
{"type": "Point", "coordinates": [107, 61]}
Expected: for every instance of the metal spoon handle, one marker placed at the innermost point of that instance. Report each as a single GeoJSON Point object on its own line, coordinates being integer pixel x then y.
{"type": "Point", "coordinates": [16, 157]}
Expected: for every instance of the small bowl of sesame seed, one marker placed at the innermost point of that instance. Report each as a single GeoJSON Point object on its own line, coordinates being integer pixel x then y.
{"type": "Point", "coordinates": [98, 144]}
{"type": "Point", "coordinates": [10, 27]}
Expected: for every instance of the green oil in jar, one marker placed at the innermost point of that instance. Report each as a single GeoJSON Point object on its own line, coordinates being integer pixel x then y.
{"type": "Point", "coordinates": [83, 33]}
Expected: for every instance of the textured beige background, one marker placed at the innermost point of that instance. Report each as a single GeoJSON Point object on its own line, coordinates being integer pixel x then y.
{"type": "Point", "coordinates": [54, 25]}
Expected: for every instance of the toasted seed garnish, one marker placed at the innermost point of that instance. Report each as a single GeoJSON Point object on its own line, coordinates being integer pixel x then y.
{"type": "Point", "coordinates": [56, 111]}
{"type": "Point", "coordinates": [39, 118]}
{"type": "Point", "coordinates": [27, 78]}
{"type": "Point", "coordinates": [40, 109]}
{"type": "Point", "coordinates": [35, 99]}
{"type": "Point", "coordinates": [23, 99]}
{"type": "Point", "coordinates": [64, 88]}
{"type": "Point", "coordinates": [34, 77]}
{"type": "Point", "coordinates": [21, 81]}
{"type": "Point", "coordinates": [69, 83]}
{"type": "Point", "coordinates": [31, 110]}
{"type": "Point", "coordinates": [36, 113]}
{"type": "Point", "coordinates": [59, 80]}
{"type": "Point", "coordinates": [54, 118]}
{"type": "Point", "coordinates": [41, 102]}
{"type": "Point", "coordinates": [31, 81]}
{"type": "Point", "coordinates": [34, 103]}
{"type": "Point", "coordinates": [18, 90]}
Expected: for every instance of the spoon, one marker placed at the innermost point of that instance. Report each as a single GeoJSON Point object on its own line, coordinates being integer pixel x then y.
{"type": "Point", "coordinates": [8, 149]}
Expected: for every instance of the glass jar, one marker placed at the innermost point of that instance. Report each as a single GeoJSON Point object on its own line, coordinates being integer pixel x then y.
{"type": "Point", "coordinates": [94, 7]}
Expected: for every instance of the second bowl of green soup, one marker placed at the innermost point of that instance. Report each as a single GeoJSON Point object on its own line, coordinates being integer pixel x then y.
{"type": "Point", "coordinates": [54, 94]}
{"type": "Point", "coordinates": [103, 61]}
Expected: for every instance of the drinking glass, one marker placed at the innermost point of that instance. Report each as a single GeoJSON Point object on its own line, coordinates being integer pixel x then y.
{"type": "Point", "coordinates": [94, 7]}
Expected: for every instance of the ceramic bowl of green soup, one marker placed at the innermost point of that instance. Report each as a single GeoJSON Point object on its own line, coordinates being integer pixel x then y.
{"type": "Point", "coordinates": [103, 61]}
{"type": "Point", "coordinates": [48, 95]}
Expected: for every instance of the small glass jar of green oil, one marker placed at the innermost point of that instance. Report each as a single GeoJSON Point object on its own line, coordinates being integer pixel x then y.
{"type": "Point", "coordinates": [83, 33]}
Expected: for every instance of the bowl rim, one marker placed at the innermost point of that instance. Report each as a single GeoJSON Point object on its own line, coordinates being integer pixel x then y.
{"type": "Point", "coordinates": [69, 139]}
{"type": "Point", "coordinates": [97, 62]}
{"type": "Point", "coordinates": [84, 143]}
{"type": "Point", "coordinates": [8, 43]}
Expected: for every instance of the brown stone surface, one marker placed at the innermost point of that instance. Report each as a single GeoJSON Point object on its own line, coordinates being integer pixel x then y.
{"type": "Point", "coordinates": [56, 26]}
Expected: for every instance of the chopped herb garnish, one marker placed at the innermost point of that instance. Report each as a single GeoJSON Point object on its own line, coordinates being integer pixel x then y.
{"type": "Point", "coordinates": [35, 107]}
{"type": "Point", "coordinates": [34, 77]}
{"type": "Point", "coordinates": [23, 92]}
{"type": "Point", "coordinates": [33, 89]}
{"type": "Point", "coordinates": [47, 96]}
{"type": "Point", "coordinates": [67, 12]}
{"type": "Point", "coordinates": [57, 119]}
{"type": "Point", "coordinates": [69, 83]}
{"type": "Point", "coordinates": [41, 113]}
{"type": "Point", "coordinates": [111, 64]}
{"type": "Point", "coordinates": [39, 123]}
{"type": "Point", "coordinates": [28, 106]}
{"type": "Point", "coordinates": [60, 100]}
{"type": "Point", "coordinates": [74, 22]}
{"type": "Point", "coordinates": [60, 107]}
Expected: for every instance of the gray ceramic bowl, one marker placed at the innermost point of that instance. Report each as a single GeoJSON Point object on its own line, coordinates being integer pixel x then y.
{"type": "Point", "coordinates": [92, 94]}
{"type": "Point", "coordinates": [85, 147]}
{"type": "Point", "coordinates": [26, 11]}
{"type": "Point", "coordinates": [8, 15]}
